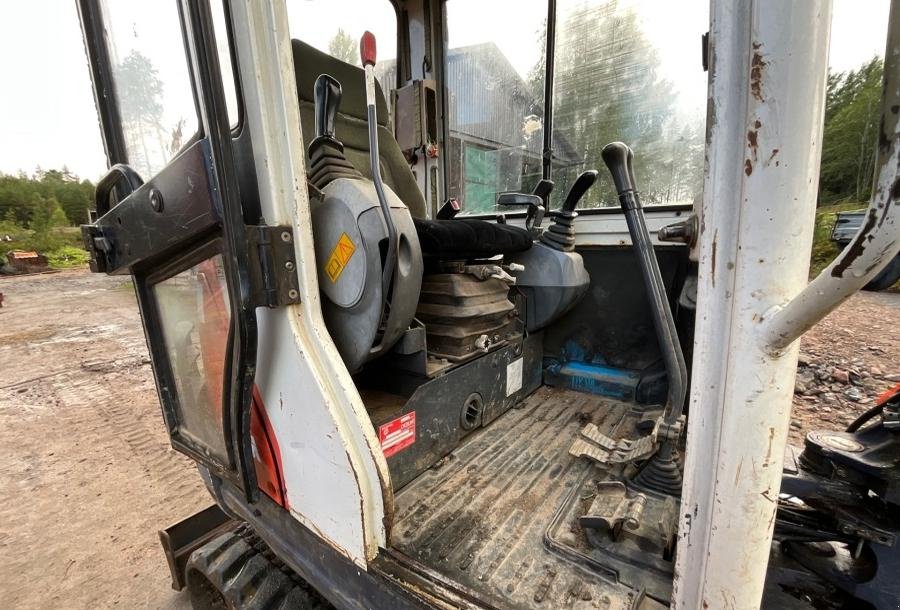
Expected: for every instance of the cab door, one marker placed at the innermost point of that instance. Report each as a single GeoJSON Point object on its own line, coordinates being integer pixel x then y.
{"type": "Point", "coordinates": [174, 213]}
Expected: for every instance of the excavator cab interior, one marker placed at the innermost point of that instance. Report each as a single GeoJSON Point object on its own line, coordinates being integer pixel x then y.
{"type": "Point", "coordinates": [482, 355]}
{"type": "Point", "coordinates": [520, 343]}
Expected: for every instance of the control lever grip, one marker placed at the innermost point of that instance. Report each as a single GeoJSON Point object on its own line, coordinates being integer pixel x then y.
{"type": "Point", "coordinates": [328, 99]}
{"type": "Point", "coordinates": [617, 157]}
{"type": "Point", "coordinates": [585, 181]}
{"type": "Point", "coordinates": [543, 189]}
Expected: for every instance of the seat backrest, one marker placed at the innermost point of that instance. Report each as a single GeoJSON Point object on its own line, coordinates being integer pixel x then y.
{"type": "Point", "coordinates": [350, 123]}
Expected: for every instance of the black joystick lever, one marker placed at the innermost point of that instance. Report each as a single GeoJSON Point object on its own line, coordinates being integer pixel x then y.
{"type": "Point", "coordinates": [661, 472]}
{"type": "Point", "coordinates": [326, 152]}
{"type": "Point", "coordinates": [328, 98]}
{"type": "Point", "coordinates": [561, 234]}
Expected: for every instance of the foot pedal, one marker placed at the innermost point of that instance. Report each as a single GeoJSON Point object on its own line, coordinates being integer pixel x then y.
{"type": "Point", "coordinates": [617, 508]}
{"type": "Point", "coordinates": [613, 509]}
{"type": "Point", "coordinates": [596, 446]}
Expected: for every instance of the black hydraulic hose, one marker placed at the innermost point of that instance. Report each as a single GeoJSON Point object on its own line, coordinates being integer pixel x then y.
{"type": "Point", "coordinates": [870, 413]}
{"type": "Point", "coordinates": [617, 157]}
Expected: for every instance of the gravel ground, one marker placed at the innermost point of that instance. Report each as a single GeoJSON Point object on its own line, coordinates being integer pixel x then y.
{"type": "Point", "coordinates": [846, 361]}
{"type": "Point", "coordinates": [87, 476]}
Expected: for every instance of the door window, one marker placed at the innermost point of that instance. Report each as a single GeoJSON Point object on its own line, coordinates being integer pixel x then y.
{"type": "Point", "coordinates": [152, 82]}
{"type": "Point", "coordinates": [195, 317]}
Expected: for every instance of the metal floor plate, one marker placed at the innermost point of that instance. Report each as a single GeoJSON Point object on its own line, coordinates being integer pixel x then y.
{"type": "Point", "coordinates": [481, 519]}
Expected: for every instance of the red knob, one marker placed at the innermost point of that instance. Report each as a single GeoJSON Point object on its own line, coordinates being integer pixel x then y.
{"type": "Point", "coordinates": [367, 48]}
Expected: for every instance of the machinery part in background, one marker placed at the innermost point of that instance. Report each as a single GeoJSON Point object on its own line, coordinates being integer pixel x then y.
{"type": "Point", "coordinates": [467, 312]}
{"type": "Point", "coordinates": [662, 472]}
{"type": "Point", "coordinates": [554, 279]}
{"type": "Point", "coordinates": [838, 509]}
{"type": "Point", "coordinates": [352, 243]}
{"type": "Point", "coordinates": [684, 232]}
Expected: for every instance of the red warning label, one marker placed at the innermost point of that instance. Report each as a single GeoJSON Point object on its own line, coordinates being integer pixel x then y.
{"type": "Point", "coordinates": [397, 434]}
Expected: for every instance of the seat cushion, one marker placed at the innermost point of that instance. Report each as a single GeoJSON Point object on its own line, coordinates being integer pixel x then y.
{"type": "Point", "coordinates": [469, 238]}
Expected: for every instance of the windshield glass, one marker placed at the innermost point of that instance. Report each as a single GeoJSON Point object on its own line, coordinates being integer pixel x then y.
{"type": "Point", "coordinates": [495, 84]}
{"type": "Point", "coordinates": [630, 70]}
{"type": "Point", "coordinates": [626, 70]}
{"type": "Point", "coordinates": [152, 82]}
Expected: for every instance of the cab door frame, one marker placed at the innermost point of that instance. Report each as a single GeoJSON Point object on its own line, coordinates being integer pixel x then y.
{"type": "Point", "coordinates": [145, 233]}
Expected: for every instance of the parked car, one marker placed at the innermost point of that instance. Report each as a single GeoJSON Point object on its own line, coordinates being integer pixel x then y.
{"type": "Point", "coordinates": [845, 227]}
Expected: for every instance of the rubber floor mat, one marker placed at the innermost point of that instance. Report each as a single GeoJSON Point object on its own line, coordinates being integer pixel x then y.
{"type": "Point", "coordinates": [481, 518]}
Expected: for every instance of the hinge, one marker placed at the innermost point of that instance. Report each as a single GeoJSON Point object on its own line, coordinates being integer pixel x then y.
{"type": "Point", "coordinates": [273, 269]}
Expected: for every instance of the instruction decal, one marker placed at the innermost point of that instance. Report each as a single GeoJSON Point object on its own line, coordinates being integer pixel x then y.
{"type": "Point", "coordinates": [397, 434]}
{"type": "Point", "coordinates": [339, 257]}
{"type": "Point", "coordinates": [514, 377]}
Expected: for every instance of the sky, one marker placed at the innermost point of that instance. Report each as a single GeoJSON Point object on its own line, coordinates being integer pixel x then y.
{"type": "Point", "coordinates": [47, 114]}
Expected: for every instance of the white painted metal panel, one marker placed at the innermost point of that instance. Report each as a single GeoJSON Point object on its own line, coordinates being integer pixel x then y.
{"type": "Point", "coordinates": [335, 474]}
{"type": "Point", "coordinates": [769, 62]}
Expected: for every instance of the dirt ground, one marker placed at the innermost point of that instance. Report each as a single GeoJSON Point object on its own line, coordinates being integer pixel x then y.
{"type": "Point", "coordinates": [87, 476]}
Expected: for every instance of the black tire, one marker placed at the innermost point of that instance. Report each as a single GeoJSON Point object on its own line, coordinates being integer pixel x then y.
{"type": "Point", "coordinates": [887, 278]}
{"type": "Point", "coordinates": [236, 571]}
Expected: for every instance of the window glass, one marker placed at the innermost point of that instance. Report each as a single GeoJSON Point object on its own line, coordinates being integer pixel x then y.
{"type": "Point", "coordinates": [153, 86]}
{"type": "Point", "coordinates": [223, 48]}
{"type": "Point", "coordinates": [495, 84]}
{"type": "Point", "coordinates": [195, 317]}
{"type": "Point", "coordinates": [630, 70]}
{"type": "Point", "coordinates": [335, 27]}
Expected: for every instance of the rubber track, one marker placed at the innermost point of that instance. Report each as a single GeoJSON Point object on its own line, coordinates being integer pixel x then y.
{"type": "Point", "coordinates": [249, 576]}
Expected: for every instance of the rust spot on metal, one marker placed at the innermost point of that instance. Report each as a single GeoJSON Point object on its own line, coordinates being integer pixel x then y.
{"type": "Point", "coordinates": [751, 142]}
{"type": "Point", "coordinates": [768, 457]}
{"type": "Point", "coordinates": [713, 257]}
{"type": "Point", "coordinates": [757, 66]}
{"type": "Point", "coordinates": [772, 156]}
{"type": "Point", "coordinates": [856, 247]}
{"type": "Point", "coordinates": [748, 167]}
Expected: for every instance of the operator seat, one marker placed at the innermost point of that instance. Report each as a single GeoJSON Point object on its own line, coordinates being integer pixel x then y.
{"type": "Point", "coordinates": [456, 238]}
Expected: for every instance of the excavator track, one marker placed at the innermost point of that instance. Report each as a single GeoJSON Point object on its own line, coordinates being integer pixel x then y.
{"type": "Point", "coordinates": [237, 570]}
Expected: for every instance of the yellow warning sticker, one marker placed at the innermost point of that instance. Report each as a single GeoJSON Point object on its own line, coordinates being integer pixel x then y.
{"type": "Point", "coordinates": [339, 257]}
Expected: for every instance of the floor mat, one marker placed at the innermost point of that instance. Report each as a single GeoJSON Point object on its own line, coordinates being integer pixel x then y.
{"type": "Point", "coordinates": [481, 518]}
